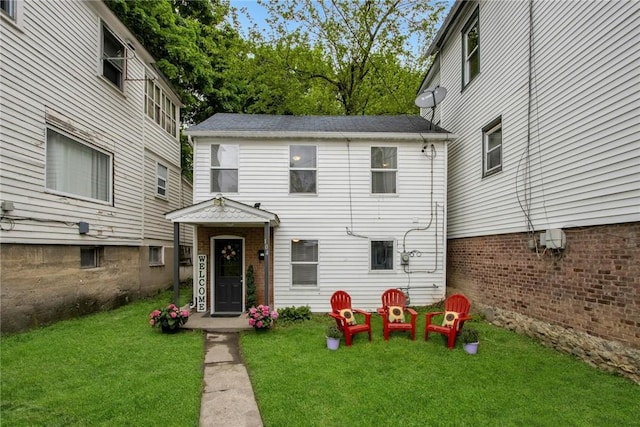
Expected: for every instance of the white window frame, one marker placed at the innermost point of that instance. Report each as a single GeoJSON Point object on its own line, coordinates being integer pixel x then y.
{"type": "Point", "coordinates": [384, 169]}
{"type": "Point", "coordinates": [227, 167]}
{"type": "Point", "coordinates": [112, 61]}
{"type": "Point", "coordinates": [162, 182]}
{"type": "Point", "coordinates": [156, 255]}
{"type": "Point", "coordinates": [293, 168]}
{"type": "Point", "coordinates": [12, 11]}
{"type": "Point", "coordinates": [487, 131]}
{"type": "Point", "coordinates": [160, 108]}
{"type": "Point", "coordinates": [305, 263]}
{"type": "Point", "coordinates": [108, 175]}
{"type": "Point", "coordinates": [391, 250]}
{"type": "Point", "coordinates": [468, 56]}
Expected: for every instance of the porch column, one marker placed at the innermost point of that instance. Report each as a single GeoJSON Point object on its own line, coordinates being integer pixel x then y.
{"type": "Point", "coordinates": [267, 237]}
{"type": "Point", "coordinates": [176, 263]}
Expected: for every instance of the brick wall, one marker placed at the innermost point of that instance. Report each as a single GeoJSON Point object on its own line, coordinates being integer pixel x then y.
{"type": "Point", "coordinates": [592, 286]}
{"type": "Point", "coordinates": [254, 241]}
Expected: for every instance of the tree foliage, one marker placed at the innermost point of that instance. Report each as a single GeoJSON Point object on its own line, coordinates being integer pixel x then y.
{"type": "Point", "coordinates": [370, 48]}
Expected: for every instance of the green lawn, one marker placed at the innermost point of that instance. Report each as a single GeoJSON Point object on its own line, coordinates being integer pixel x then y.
{"type": "Point", "coordinates": [109, 369]}
{"type": "Point", "coordinates": [112, 369]}
{"type": "Point", "coordinates": [512, 381]}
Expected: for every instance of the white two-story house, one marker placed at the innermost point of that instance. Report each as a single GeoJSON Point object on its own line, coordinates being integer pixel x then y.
{"type": "Point", "coordinates": [544, 177]}
{"type": "Point", "coordinates": [314, 205]}
{"type": "Point", "coordinates": [89, 163]}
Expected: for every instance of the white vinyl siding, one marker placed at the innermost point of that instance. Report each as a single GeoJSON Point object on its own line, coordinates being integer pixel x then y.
{"type": "Point", "coordinates": [584, 149]}
{"type": "Point", "coordinates": [344, 204]}
{"type": "Point", "coordinates": [50, 79]}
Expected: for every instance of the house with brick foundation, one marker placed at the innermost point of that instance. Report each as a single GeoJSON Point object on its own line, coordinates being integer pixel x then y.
{"type": "Point", "coordinates": [316, 204]}
{"type": "Point", "coordinates": [543, 204]}
{"type": "Point", "coordinates": [89, 164]}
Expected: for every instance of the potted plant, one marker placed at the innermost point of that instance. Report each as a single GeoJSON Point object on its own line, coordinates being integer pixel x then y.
{"type": "Point", "coordinates": [470, 340]}
{"type": "Point", "coordinates": [333, 335]}
{"type": "Point", "coordinates": [169, 318]}
{"type": "Point", "coordinates": [261, 317]}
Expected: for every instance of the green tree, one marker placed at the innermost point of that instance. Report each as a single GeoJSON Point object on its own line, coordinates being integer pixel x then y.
{"type": "Point", "coordinates": [371, 63]}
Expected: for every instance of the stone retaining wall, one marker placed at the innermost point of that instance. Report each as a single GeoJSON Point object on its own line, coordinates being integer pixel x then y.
{"type": "Point", "coordinates": [607, 355]}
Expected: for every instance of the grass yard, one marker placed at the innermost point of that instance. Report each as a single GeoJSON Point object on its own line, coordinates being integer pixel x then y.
{"type": "Point", "coordinates": [107, 369]}
{"type": "Point", "coordinates": [512, 381]}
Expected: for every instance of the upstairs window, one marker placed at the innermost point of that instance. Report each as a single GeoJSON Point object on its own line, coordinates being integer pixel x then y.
{"type": "Point", "coordinates": [304, 263]}
{"type": "Point", "coordinates": [384, 168]}
{"type": "Point", "coordinates": [302, 168]}
{"type": "Point", "coordinates": [492, 147]}
{"type": "Point", "coordinates": [76, 169]}
{"type": "Point", "coordinates": [470, 49]}
{"type": "Point", "coordinates": [224, 168]}
{"type": "Point", "coordinates": [159, 107]}
{"type": "Point", "coordinates": [162, 178]}
{"type": "Point", "coordinates": [382, 255]}
{"type": "Point", "coordinates": [113, 58]}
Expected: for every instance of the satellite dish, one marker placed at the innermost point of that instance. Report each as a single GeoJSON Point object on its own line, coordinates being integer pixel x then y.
{"type": "Point", "coordinates": [431, 97]}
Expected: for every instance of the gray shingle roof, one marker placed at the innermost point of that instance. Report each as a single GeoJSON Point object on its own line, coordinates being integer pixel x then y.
{"type": "Point", "coordinates": [222, 122]}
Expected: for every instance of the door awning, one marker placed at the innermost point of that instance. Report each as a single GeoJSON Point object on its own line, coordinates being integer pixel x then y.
{"type": "Point", "coordinates": [223, 212]}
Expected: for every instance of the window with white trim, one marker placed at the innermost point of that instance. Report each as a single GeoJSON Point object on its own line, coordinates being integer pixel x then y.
{"type": "Point", "coordinates": [384, 168]}
{"type": "Point", "coordinates": [302, 168]}
{"type": "Point", "coordinates": [224, 168]}
{"type": "Point", "coordinates": [74, 168]}
{"type": "Point", "coordinates": [8, 7]}
{"type": "Point", "coordinates": [492, 147]}
{"type": "Point", "coordinates": [113, 58]}
{"type": "Point", "coordinates": [382, 254]}
{"type": "Point", "coordinates": [470, 49]}
{"type": "Point", "coordinates": [304, 263]}
{"type": "Point", "coordinates": [156, 255]}
{"type": "Point", "coordinates": [162, 173]}
{"type": "Point", "coordinates": [160, 108]}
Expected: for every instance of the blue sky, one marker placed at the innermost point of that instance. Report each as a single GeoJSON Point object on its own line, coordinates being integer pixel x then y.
{"type": "Point", "coordinates": [258, 14]}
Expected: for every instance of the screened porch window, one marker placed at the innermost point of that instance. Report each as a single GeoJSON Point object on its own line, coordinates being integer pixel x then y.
{"type": "Point", "coordinates": [384, 167]}
{"type": "Point", "coordinates": [74, 168]}
{"type": "Point", "coordinates": [304, 262]}
{"type": "Point", "coordinates": [224, 168]}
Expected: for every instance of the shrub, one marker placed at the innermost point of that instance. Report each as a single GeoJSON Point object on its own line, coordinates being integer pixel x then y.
{"type": "Point", "coordinates": [293, 314]}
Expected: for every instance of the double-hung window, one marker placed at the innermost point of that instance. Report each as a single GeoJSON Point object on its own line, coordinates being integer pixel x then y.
{"type": "Point", "coordinates": [113, 58]}
{"type": "Point", "coordinates": [470, 49]}
{"type": "Point", "coordinates": [302, 168]}
{"type": "Point", "coordinates": [492, 147]}
{"type": "Point", "coordinates": [384, 168]}
{"type": "Point", "coordinates": [304, 263]}
{"type": "Point", "coordinates": [382, 254]}
{"type": "Point", "coordinates": [162, 173]}
{"type": "Point", "coordinates": [224, 168]}
{"type": "Point", "coordinates": [74, 168]}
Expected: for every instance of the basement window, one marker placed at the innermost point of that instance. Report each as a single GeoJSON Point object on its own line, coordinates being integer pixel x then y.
{"type": "Point", "coordinates": [91, 257]}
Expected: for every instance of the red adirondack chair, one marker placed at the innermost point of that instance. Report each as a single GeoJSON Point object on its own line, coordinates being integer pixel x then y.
{"type": "Point", "coordinates": [341, 307]}
{"type": "Point", "coordinates": [457, 306]}
{"type": "Point", "coordinates": [393, 313]}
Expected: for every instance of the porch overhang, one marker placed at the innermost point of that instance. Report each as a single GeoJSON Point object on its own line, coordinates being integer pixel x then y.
{"type": "Point", "coordinates": [223, 212]}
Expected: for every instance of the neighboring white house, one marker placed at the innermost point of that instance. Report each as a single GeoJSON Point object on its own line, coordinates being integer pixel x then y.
{"type": "Point", "coordinates": [544, 178]}
{"type": "Point", "coordinates": [324, 203]}
{"type": "Point", "coordinates": [89, 163]}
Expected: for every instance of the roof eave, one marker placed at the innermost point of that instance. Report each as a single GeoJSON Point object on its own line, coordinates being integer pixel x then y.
{"type": "Point", "coordinates": [322, 135]}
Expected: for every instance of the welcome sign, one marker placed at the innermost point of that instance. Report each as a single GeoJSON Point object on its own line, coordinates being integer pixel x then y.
{"type": "Point", "coordinates": [201, 285]}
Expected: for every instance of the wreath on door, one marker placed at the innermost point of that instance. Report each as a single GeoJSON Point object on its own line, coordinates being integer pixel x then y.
{"type": "Point", "coordinates": [228, 253]}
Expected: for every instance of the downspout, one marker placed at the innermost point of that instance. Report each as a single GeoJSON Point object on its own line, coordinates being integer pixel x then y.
{"type": "Point", "coordinates": [176, 263]}
{"type": "Point", "coordinates": [267, 258]}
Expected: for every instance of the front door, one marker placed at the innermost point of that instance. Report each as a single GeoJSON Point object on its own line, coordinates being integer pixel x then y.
{"type": "Point", "coordinates": [228, 258]}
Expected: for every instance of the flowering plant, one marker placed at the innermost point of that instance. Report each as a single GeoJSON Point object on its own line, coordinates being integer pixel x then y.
{"type": "Point", "coordinates": [261, 317]}
{"type": "Point", "coordinates": [168, 318]}
{"type": "Point", "coordinates": [228, 253]}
